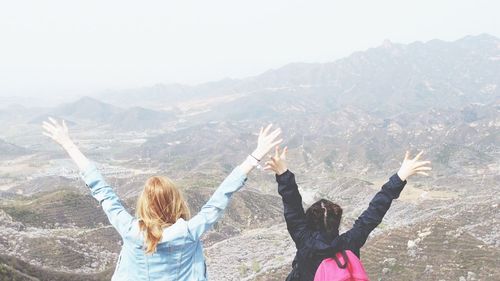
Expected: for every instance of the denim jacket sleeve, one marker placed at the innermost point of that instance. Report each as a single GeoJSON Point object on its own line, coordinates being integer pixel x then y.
{"type": "Point", "coordinates": [119, 218]}
{"type": "Point", "coordinates": [216, 205]}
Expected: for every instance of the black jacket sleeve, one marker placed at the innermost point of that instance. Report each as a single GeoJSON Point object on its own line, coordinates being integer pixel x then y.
{"type": "Point", "coordinates": [356, 237]}
{"type": "Point", "coordinates": [353, 239]}
{"type": "Point", "coordinates": [292, 205]}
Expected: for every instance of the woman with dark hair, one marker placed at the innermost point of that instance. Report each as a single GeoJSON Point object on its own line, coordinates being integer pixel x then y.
{"type": "Point", "coordinates": [316, 231]}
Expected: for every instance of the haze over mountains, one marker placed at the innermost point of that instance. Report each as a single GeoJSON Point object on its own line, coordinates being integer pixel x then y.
{"type": "Point", "coordinates": [416, 76]}
{"type": "Point", "coordinates": [347, 124]}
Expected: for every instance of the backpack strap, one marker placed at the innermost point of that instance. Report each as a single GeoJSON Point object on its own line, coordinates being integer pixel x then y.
{"type": "Point", "coordinates": [339, 264]}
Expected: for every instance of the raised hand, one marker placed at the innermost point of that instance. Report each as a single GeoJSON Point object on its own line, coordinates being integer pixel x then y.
{"type": "Point", "coordinates": [413, 166]}
{"type": "Point", "coordinates": [277, 163]}
{"type": "Point", "coordinates": [57, 131]}
{"type": "Point", "coordinates": [266, 141]}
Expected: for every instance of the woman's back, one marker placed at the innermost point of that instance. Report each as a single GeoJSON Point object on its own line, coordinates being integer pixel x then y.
{"type": "Point", "coordinates": [179, 253]}
{"type": "Point", "coordinates": [161, 243]}
{"type": "Point", "coordinates": [179, 256]}
{"type": "Point", "coordinates": [316, 236]}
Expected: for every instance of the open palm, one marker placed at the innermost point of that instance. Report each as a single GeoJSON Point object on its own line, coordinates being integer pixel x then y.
{"type": "Point", "coordinates": [57, 131]}
{"type": "Point", "coordinates": [277, 163]}
{"type": "Point", "coordinates": [413, 166]}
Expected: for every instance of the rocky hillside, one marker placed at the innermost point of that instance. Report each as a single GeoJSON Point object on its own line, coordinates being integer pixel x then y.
{"type": "Point", "coordinates": [347, 124]}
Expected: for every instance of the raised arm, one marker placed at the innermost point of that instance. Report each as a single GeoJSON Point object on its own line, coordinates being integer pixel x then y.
{"type": "Point", "coordinates": [356, 237]}
{"type": "Point", "coordinates": [295, 216]}
{"type": "Point", "coordinates": [216, 205]}
{"type": "Point", "coordinates": [119, 218]}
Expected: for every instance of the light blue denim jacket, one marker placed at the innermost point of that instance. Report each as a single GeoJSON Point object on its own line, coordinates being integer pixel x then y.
{"type": "Point", "coordinates": [179, 255]}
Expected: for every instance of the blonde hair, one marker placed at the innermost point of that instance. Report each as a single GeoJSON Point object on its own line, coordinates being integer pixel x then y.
{"type": "Point", "coordinates": [160, 205]}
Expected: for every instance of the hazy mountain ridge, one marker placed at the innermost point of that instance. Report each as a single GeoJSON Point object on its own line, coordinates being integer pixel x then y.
{"type": "Point", "coordinates": [90, 111]}
{"type": "Point", "coordinates": [414, 76]}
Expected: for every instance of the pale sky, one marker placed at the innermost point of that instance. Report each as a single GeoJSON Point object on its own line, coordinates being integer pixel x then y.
{"type": "Point", "coordinates": [64, 47]}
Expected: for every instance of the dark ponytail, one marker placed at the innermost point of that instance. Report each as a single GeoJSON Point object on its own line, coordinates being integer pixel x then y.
{"type": "Point", "coordinates": [324, 216]}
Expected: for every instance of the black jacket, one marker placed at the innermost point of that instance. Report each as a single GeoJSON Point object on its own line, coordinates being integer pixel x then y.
{"type": "Point", "coordinates": [314, 246]}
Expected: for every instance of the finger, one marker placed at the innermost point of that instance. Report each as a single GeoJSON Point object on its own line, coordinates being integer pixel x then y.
{"type": "Point", "coordinates": [48, 130]}
{"type": "Point", "coordinates": [267, 168]}
{"type": "Point", "coordinates": [407, 155]}
{"type": "Point", "coordinates": [64, 125]}
{"type": "Point", "coordinates": [267, 165]}
{"type": "Point", "coordinates": [277, 131]}
{"type": "Point", "coordinates": [260, 136]}
{"type": "Point", "coordinates": [54, 121]}
{"type": "Point", "coordinates": [266, 130]}
{"type": "Point", "coordinates": [274, 134]}
{"type": "Point", "coordinates": [418, 155]}
{"type": "Point", "coordinates": [270, 164]}
{"type": "Point", "coordinates": [277, 151]}
{"type": "Point", "coordinates": [47, 135]}
{"type": "Point", "coordinates": [421, 163]}
{"type": "Point", "coordinates": [48, 124]}
{"type": "Point", "coordinates": [423, 173]}
{"type": "Point", "coordinates": [48, 127]}
{"type": "Point", "coordinates": [277, 142]}
{"type": "Point", "coordinates": [274, 160]}
{"type": "Point", "coordinates": [283, 154]}
{"type": "Point", "coordinates": [423, 169]}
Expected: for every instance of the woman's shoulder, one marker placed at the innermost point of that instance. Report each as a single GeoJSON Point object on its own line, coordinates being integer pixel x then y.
{"type": "Point", "coordinates": [177, 233]}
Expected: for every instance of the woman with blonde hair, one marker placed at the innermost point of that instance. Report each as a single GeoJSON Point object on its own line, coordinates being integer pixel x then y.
{"type": "Point", "coordinates": [161, 242]}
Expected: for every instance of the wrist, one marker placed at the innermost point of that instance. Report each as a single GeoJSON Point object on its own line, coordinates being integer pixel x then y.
{"type": "Point", "coordinates": [281, 171]}
{"type": "Point", "coordinates": [402, 176]}
{"type": "Point", "coordinates": [257, 154]}
{"type": "Point", "coordinates": [68, 145]}
{"type": "Point", "coordinates": [252, 161]}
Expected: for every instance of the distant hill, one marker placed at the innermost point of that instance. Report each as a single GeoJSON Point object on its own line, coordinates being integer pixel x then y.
{"type": "Point", "coordinates": [87, 108]}
{"type": "Point", "coordinates": [139, 118]}
{"type": "Point", "coordinates": [411, 77]}
{"type": "Point", "coordinates": [92, 110]}
{"type": "Point", "coordinates": [11, 150]}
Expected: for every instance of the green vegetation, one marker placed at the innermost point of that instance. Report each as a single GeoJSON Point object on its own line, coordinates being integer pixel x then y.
{"type": "Point", "coordinates": [256, 267]}
{"type": "Point", "coordinates": [56, 208]}
{"type": "Point", "coordinates": [13, 269]}
{"type": "Point", "coordinates": [8, 274]}
{"type": "Point", "coordinates": [243, 269]}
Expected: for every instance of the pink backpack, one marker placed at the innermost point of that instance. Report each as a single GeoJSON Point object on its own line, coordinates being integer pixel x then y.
{"type": "Point", "coordinates": [344, 267]}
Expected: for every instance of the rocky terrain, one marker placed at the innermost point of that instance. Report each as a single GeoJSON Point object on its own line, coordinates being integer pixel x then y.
{"type": "Point", "coordinates": [347, 124]}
